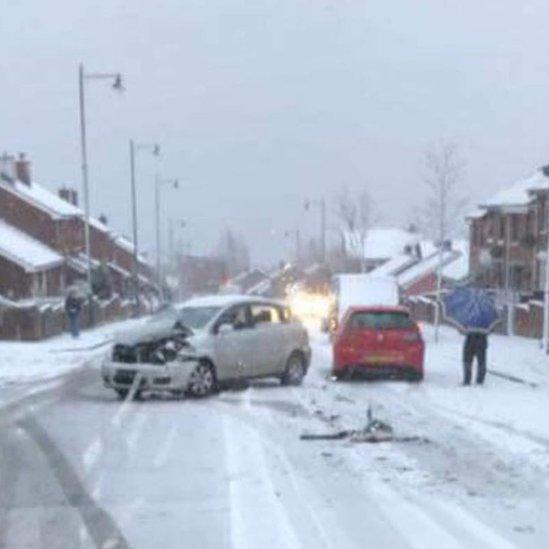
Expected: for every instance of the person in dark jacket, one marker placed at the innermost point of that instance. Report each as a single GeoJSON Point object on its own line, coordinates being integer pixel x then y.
{"type": "Point", "coordinates": [475, 346]}
{"type": "Point", "coordinates": [73, 306]}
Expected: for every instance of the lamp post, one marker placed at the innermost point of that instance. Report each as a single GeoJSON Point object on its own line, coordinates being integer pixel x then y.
{"type": "Point", "coordinates": [546, 285]}
{"type": "Point", "coordinates": [321, 204]}
{"type": "Point", "coordinates": [174, 183]}
{"type": "Point", "coordinates": [134, 148]}
{"type": "Point", "coordinates": [116, 79]}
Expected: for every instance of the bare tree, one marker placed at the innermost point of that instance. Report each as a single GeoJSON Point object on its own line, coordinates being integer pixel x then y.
{"type": "Point", "coordinates": [233, 249]}
{"type": "Point", "coordinates": [354, 212]}
{"type": "Point", "coordinates": [443, 213]}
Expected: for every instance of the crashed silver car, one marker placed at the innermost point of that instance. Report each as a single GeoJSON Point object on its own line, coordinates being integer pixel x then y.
{"type": "Point", "coordinates": [207, 343]}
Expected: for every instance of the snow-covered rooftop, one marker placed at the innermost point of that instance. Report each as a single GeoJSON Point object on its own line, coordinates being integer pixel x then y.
{"type": "Point", "coordinates": [425, 267]}
{"type": "Point", "coordinates": [127, 245]}
{"type": "Point", "coordinates": [518, 194]}
{"type": "Point", "coordinates": [26, 251]}
{"type": "Point", "coordinates": [43, 198]}
{"type": "Point", "coordinates": [383, 243]}
{"type": "Point", "coordinates": [394, 265]}
{"type": "Point", "coordinates": [458, 269]}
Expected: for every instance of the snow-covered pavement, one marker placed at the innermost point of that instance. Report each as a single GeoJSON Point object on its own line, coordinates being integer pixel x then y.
{"type": "Point", "coordinates": [79, 468]}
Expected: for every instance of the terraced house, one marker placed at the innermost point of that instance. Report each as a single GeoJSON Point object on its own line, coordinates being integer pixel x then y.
{"type": "Point", "coordinates": [508, 237]}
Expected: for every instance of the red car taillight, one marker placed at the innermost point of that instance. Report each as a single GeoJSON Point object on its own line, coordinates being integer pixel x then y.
{"type": "Point", "coordinates": [412, 337]}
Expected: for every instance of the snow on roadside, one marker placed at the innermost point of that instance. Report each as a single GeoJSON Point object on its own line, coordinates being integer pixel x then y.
{"type": "Point", "coordinates": [27, 362]}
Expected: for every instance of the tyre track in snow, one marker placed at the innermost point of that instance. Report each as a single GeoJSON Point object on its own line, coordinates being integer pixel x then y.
{"type": "Point", "coordinates": [324, 506]}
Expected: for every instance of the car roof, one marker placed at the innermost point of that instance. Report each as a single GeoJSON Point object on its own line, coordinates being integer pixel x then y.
{"type": "Point", "coordinates": [225, 300]}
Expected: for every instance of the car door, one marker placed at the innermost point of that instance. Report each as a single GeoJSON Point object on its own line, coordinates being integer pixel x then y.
{"type": "Point", "coordinates": [234, 343]}
{"type": "Point", "coordinates": [269, 338]}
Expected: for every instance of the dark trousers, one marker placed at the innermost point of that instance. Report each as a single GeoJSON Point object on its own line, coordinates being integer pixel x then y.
{"type": "Point", "coordinates": [74, 326]}
{"type": "Point", "coordinates": [468, 356]}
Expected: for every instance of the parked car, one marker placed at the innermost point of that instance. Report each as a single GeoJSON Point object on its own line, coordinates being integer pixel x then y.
{"type": "Point", "coordinates": [208, 342]}
{"type": "Point", "coordinates": [378, 342]}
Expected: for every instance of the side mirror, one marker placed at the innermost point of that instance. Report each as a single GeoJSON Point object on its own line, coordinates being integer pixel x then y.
{"type": "Point", "coordinates": [225, 329]}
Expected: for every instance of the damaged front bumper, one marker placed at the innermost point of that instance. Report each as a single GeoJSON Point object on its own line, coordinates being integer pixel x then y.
{"type": "Point", "coordinates": [173, 376]}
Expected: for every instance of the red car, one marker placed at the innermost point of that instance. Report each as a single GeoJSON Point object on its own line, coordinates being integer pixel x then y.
{"type": "Point", "coordinates": [378, 342]}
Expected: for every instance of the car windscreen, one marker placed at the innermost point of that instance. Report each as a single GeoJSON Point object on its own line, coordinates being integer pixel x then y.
{"type": "Point", "coordinates": [192, 317]}
{"type": "Point", "coordinates": [381, 320]}
{"type": "Point", "coordinates": [196, 317]}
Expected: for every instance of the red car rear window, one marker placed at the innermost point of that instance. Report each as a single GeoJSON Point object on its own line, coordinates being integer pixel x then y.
{"type": "Point", "coordinates": [381, 320]}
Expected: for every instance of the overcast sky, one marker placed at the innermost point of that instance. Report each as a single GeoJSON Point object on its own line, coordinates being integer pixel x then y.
{"type": "Point", "coordinates": [261, 104]}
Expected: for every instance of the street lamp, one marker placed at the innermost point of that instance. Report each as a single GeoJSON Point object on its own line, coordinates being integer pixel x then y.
{"type": "Point", "coordinates": [321, 204]}
{"type": "Point", "coordinates": [174, 183]}
{"type": "Point", "coordinates": [134, 148]}
{"type": "Point", "coordinates": [116, 78]}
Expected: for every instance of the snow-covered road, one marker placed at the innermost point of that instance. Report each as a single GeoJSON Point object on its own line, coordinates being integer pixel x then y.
{"type": "Point", "coordinates": [81, 469]}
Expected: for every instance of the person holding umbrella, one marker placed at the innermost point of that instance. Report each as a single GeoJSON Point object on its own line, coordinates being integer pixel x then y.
{"type": "Point", "coordinates": [473, 312]}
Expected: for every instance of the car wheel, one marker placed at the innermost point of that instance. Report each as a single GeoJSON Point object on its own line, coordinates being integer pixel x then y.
{"type": "Point", "coordinates": [295, 370]}
{"type": "Point", "coordinates": [202, 380]}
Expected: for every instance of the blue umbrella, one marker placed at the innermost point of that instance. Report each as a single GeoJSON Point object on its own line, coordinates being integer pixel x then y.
{"type": "Point", "coordinates": [470, 310]}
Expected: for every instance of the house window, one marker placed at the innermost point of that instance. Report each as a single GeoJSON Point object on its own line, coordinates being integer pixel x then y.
{"type": "Point", "coordinates": [501, 227]}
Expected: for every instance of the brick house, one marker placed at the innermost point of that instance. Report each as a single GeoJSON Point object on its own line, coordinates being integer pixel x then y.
{"type": "Point", "coordinates": [505, 236]}
{"type": "Point", "coordinates": [36, 211]}
{"type": "Point", "coordinates": [57, 222]}
{"type": "Point", "coordinates": [28, 268]}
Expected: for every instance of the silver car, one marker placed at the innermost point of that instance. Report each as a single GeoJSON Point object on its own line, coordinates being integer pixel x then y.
{"type": "Point", "coordinates": [209, 342]}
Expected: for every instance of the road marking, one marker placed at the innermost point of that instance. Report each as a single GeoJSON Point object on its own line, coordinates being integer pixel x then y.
{"type": "Point", "coordinates": [99, 524]}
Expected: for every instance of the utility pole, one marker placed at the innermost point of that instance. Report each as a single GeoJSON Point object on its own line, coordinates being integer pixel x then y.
{"type": "Point", "coordinates": [135, 232]}
{"type": "Point", "coordinates": [85, 181]}
{"type": "Point", "coordinates": [116, 78]}
{"type": "Point", "coordinates": [322, 205]}
{"type": "Point", "coordinates": [323, 230]}
{"type": "Point", "coordinates": [298, 247]}
{"type": "Point", "coordinates": [134, 148]}
{"type": "Point", "coordinates": [507, 275]}
{"type": "Point", "coordinates": [157, 183]}
{"type": "Point", "coordinates": [546, 288]}
{"type": "Point", "coordinates": [442, 237]}
{"type": "Point", "coordinates": [157, 223]}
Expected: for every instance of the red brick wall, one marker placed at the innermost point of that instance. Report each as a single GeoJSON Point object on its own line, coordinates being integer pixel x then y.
{"type": "Point", "coordinates": [101, 245]}
{"type": "Point", "coordinates": [27, 218]}
{"type": "Point", "coordinates": [16, 283]}
{"type": "Point", "coordinates": [63, 235]}
{"type": "Point", "coordinates": [423, 285]}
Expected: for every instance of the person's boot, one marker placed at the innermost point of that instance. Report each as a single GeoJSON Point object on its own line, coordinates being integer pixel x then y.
{"type": "Point", "coordinates": [467, 374]}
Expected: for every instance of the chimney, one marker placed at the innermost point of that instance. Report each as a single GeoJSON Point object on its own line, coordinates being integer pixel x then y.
{"type": "Point", "coordinates": [69, 195]}
{"type": "Point", "coordinates": [7, 168]}
{"type": "Point", "coordinates": [22, 169]}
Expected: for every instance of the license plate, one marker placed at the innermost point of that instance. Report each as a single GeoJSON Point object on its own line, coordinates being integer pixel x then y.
{"type": "Point", "coordinates": [378, 359]}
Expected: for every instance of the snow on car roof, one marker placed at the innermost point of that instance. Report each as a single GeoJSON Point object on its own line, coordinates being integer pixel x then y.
{"type": "Point", "coordinates": [222, 300]}
{"type": "Point", "coordinates": [26, 251]}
